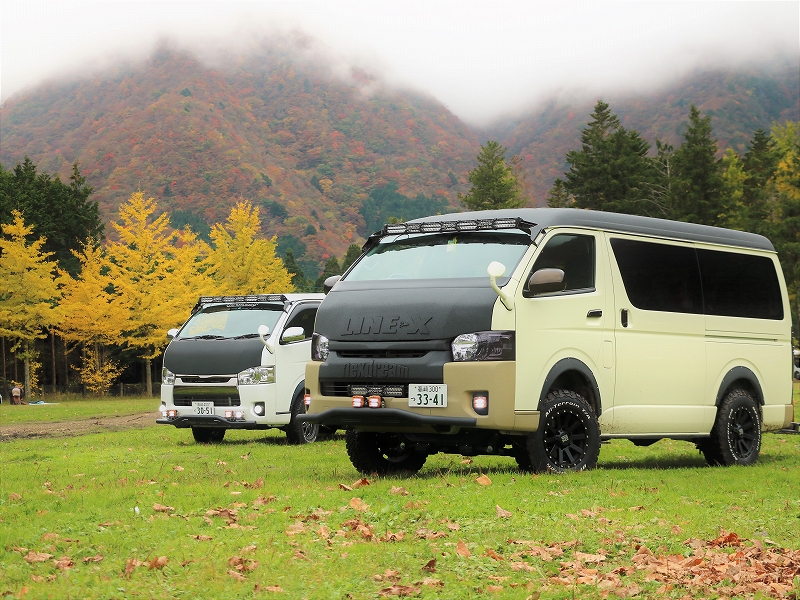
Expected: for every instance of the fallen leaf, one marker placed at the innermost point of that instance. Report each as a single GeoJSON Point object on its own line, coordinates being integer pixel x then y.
{"type": "Point", "coordinates": [50, 536]}
{"type": "Point", "coordinates": [363, 482]}
{"type": "Point", "coordinates": [430, 566]}
{"type": "Point", "coordinates": [399, 590]}
{"type": "Point", "coordinates": [635, 508]}
{"type": "Point", "coordinates": [344, 487]}
{"type": "Point", "coordinates": [268, 588]}
{"type": "Point", "coordinates": [249, 548]}
{"type": "Point", "coordinates": [162, 508]}
{"type": "Point", "coordinates": [358, 504]}
{"type": "Point", "coordinates": [236, 575]}
{"type": "Point", "coordinates": [95, 559]}
{"type": "Point", "coordinates": [295, 528]}
{"type": "Point", "coordinates": [502, 513]}
{"type": "Point", "coordinates": [158, 562]}
{"type": "Point", "coordinates": [64, 563]}
{"type": "Point", "coordinates": [462, 550]}
{"type": "Point", "coordinates": [483, 480]}
{"type": "Point", "coordinates": [35, 557]}
{"type": "Point", "coordinates": [492, 554]}
{"type": "Point", "coordinates": [494, 588]}
{"type": "Point", "coordinates": [453, 526]}
{"type": "Point", "coordinates": [177, 468]}
{"type": "Point", "coordinates": [15, 496]}
{"type": "Point", "coordinates": [398, 491]}
{"type": "Point", "coordinates": [521, 566]}
{"type": "Point", "coordinates": [388, 575]}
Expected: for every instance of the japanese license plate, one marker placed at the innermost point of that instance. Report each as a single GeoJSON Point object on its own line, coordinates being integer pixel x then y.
{"type": "Point", "coordinates": [428, 395]}
{"type": "Point", "coordinates": [203, 408]}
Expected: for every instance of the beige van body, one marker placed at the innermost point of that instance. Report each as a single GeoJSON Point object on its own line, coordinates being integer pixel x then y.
{"type": "Point", "coordinates": [645, 337]}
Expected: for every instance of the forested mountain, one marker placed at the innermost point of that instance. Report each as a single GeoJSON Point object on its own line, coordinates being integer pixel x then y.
{"type": "Point", "coordinates": [324, 156]}
{"type": "Point", "coordinates": [738, 103]}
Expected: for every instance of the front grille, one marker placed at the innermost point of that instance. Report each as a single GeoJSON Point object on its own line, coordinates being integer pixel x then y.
{"type": "Point", "coordinates": [381, 353]}
{"type": "Point", "coordinates": [219, 395]}
{"type": "Point", "coordinates": [200, 379]}
{"type": "Point", "coordinates": [346, 389]}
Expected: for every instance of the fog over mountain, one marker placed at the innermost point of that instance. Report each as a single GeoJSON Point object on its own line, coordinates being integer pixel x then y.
{"type": "Point", "coordinates": [482, 60]}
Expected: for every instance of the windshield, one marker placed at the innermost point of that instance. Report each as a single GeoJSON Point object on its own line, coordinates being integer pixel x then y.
{"type": "Point", "coordinates": [219, 322]}
{"type": "Point", "coordinates": [440, 256]}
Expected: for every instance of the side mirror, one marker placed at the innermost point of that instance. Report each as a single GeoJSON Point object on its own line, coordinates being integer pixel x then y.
{"type": "Point", "coordinates": [293, 334]}
{"type": "Point", "coordinates": [172, 333]}
{"type": "Point", "coordinates": [495, 270]}
{"type": "Point", "coordinates": [263, 332]}
{"type": "Point", "coordinates": [330, 282]}
{"type": "Point", "coordinates": [545, 281]}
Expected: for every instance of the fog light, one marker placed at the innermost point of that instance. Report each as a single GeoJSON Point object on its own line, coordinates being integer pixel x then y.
{"type": "Point", "coordinates": [358, 401]}
{"type": "Point", "coordinates": [258, 409]}
{"type": "Point", "coordinates": [480, 402]}
{"type": "Point", "coordinates": [172, 413]}
{"type": "Point", "coordinates": [307, 399]}
{"type": "Point", "coordinates": [374, 401]}
{"type": "Point", "coordinates": [228, 414]}
{"type": "Point", "coordinates": [163, 409]}
{"type": "Point", "coordinates": [239, 414]}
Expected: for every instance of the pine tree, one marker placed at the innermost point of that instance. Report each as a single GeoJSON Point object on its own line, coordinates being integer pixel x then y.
{"type": "Point", "coordinates": [612, 171]}
{"type": "Point", "coordinates": [559, 197]}
{"type": "Point", "coordinates": [299, 280]}
{"type": "Point", "coordinates": [353, 252]}
{"type": "Point", "coordinates": [493, 183]}
{"type": "Point", "coordinates": [697, 191]}
{"type": "Point", "coordinates": [331, 268]}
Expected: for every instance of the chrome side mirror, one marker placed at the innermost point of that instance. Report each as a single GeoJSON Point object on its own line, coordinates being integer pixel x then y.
{"type": "Point", "coordinates": [293, 334]}
{"type": "Point", "coordinates": [545, 281]}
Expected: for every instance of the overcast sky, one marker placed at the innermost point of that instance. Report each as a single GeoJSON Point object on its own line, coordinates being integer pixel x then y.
{"type": "Point", "coordinates": [482, 59]}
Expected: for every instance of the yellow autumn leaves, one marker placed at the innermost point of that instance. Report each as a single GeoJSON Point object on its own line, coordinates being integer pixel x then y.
{"type": "Point", "coordinates": [134, 288]}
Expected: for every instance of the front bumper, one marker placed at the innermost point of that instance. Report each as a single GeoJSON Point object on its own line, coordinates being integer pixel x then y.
{"type": "Point", "coordinates": [183, 422]}
{"type": "Point", "coordinates": [385, 418]}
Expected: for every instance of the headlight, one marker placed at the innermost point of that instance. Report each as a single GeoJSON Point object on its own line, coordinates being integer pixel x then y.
{"type": "Point", "coordinates": [319, 348]}
{"type": "Point", "coordinates": [484, 345]}
{"type": "Point", "coordinates": [167, 377]}
{"type": "Point", "coordinates": [255, 375]}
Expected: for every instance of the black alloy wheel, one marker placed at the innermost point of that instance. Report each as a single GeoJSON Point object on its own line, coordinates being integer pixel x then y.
{"type": "Point", "coordinates": [736, 436]}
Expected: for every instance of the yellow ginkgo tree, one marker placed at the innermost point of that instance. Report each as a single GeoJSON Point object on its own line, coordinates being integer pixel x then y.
{"type": "Point", "coordinates": [242, 260]}
{"type": "Point", "coordinates": [158, 274]}
{"type": "Point", "coordinates": [28, 290]}
{"type": "Point", "coordinates": [90, 314]}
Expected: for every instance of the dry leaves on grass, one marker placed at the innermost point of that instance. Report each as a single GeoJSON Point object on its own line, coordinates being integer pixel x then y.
{"type": "Point", "coordinates": [483, 480]}
{"type": "Point", "coordinates": [462, 550]}
{"type": "Point", "coordinates": [93, 559]}
{"type": "Point", "coordinates": [162, 508]}
{"type": "Point", "coordinates": [358, 504]}
{"type": "Point", "coordinates": [64, 563]}
{"type": "Point", "coordinates": [37, 557]}
{"type": "Point", "coordinates": [242, 565]}
{"type": "Point", "coordinates": [267, 588]}
{"type": "Point", "coordinates": [159, 562]}
{"type": "Point", "coordinates": [398, 491]}
{"type": "Point", "coordinates": [400, 590]}
{"type": "Point", "coordinates": [502, 513]}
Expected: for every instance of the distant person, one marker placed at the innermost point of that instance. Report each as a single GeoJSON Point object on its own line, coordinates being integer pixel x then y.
{"type": "Point", "coordinates": [17, 395]}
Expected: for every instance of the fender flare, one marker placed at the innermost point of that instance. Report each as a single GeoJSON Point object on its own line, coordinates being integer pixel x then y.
{"type": "Point", "coordinates": [740, 373]}
{"type": "Point", "coordinates": [572, 364]}
{"type": "Point", "coordinates": [298, 393]}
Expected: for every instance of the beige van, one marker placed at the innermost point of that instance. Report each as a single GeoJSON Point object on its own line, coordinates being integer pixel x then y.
{"type": "Point", "coordinates": [538, 333]}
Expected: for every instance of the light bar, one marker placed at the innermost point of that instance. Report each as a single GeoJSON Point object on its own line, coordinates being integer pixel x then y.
{"type": "Point", "coordinates": [464, 225]}
{"type": "Point", "coordinates": [251, 299]}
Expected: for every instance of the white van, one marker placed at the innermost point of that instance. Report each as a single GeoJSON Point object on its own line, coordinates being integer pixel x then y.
{"type": "Point", "coordinates": [538, 333]}
{"type": "Point", "coordinates": [239, 363]}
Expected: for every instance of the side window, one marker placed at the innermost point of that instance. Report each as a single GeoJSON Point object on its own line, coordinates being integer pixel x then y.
{"type": "Point", "coordinates": [740, 285]}
{"type": "Point", "coordinates": [659, 276]}
{"type": "Point", "coordinates": [303, 318]}
{"type": "Point", "coordinates": [574, 254]}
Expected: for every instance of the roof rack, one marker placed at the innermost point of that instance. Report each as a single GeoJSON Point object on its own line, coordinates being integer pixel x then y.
{"type": "Point", "coordinates": [238, 300]}
{"type": "Point", "coordinates": [466, 225]}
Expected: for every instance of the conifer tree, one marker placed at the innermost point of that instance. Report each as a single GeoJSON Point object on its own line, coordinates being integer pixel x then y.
{"type": "Point", "coordinates": [697, 191]}
{"type": "Point", "coordinates": [28, 290]}
{"type": "Point", "coordinates": [353, 252]}
{"type": "Point", "coordinates": [493, 182]}
{"type": "Point", "coordinates": [298, 277]}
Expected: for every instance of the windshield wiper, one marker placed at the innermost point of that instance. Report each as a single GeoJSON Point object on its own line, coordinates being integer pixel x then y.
{"type": "Point", "coordinates": [208, 337]}
{"type": "Point", "coordinates": [245, 336]}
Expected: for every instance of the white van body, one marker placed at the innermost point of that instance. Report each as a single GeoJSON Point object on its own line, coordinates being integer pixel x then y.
{"type": "Point", "coordinates": [223, 370]}
{"type": "Point", "coordinates": [653, 329]}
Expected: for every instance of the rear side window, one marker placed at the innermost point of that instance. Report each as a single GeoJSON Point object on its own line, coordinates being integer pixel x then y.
{"type": "Point", "coordinates": [659, 276]}
{"type": "Point", "coordinates": [740, 285]}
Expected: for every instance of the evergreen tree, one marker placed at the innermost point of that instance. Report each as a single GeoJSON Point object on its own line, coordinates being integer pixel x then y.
{"type": "Point", "coordinates": [697, 192]}
{"type": "Point", "coordinates": [759, 164]}
{"type": "Point", "coordinates": [611, 171]}
{"type": "Point", "coordinates": [353, 252]}
{"type": "Point", "coordinates": [61, 213]}
{"type": "Point", "coordinates": [331, 268]}
{"type": "Point", "coordinates": [559, 197]}
{"type": "Point", "coordinates": [299, 280]}
{"type": "Point", "coordinates": [493, 182]}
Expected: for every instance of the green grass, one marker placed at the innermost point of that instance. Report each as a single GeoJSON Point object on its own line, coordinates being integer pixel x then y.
{"type": "Point", "coordinates": [64, 407]}
{"type": "Point", "coordinates": [296, 527]}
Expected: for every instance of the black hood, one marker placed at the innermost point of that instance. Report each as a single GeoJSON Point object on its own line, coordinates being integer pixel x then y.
{"type": "Point", "coordinates": [189, 356]}
{"type": "Point", "coordinates": [407, 311]}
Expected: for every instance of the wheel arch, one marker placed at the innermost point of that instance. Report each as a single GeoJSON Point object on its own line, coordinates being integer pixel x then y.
{"type": "Point", "coordinates": [740, 378]}
{"type": "Point", "coordinates": [299, 392]}
{"type": "Point", "coordinates": [574, 375]}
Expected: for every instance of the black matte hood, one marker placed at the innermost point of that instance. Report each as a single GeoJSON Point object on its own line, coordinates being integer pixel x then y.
{"type": "Point", "coordinates": [191, 356]}
{"type": "Point", "coordinates": [406, 311]}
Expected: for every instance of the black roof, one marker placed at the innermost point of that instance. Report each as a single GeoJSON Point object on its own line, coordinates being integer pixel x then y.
{"type": "Point", "coordinates": [573, 217]}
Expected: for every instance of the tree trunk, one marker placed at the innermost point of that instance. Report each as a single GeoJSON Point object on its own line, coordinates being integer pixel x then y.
{"type": "Point", "coordinates": [5, 378]}
{"type": "Point", "coordinates": [27, 385]}
{"type": "Point", "coordinates": [148, 376]}
{"type": "Point", "coordinates": [53, 356]}
{"type": "Point", "coordinates": [66, 366]}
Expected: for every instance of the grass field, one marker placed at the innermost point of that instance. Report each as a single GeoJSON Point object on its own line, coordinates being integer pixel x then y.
{"type": "Point", "coordinates": [148, 513]}
{"type": "Point", "coordinates": [62, 407]}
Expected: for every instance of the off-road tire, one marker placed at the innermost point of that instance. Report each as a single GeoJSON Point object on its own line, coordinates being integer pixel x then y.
{"type": "Point", "coordinates": [568, 437]}
{"type": "Point", "coordinates": [300, 433]}
{"type": "Point", "coordinates": [381, 453]}
{"type": "Point", "coordinates": [208, 435]}
{"type": "Point", "coordinates": [736, 436]}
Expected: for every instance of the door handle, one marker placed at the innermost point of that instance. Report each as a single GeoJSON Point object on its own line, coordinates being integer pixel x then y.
{"type": "Point", "coordinates": [624, 317]}
{"type": "Point", "coordinates": [593, 314]}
